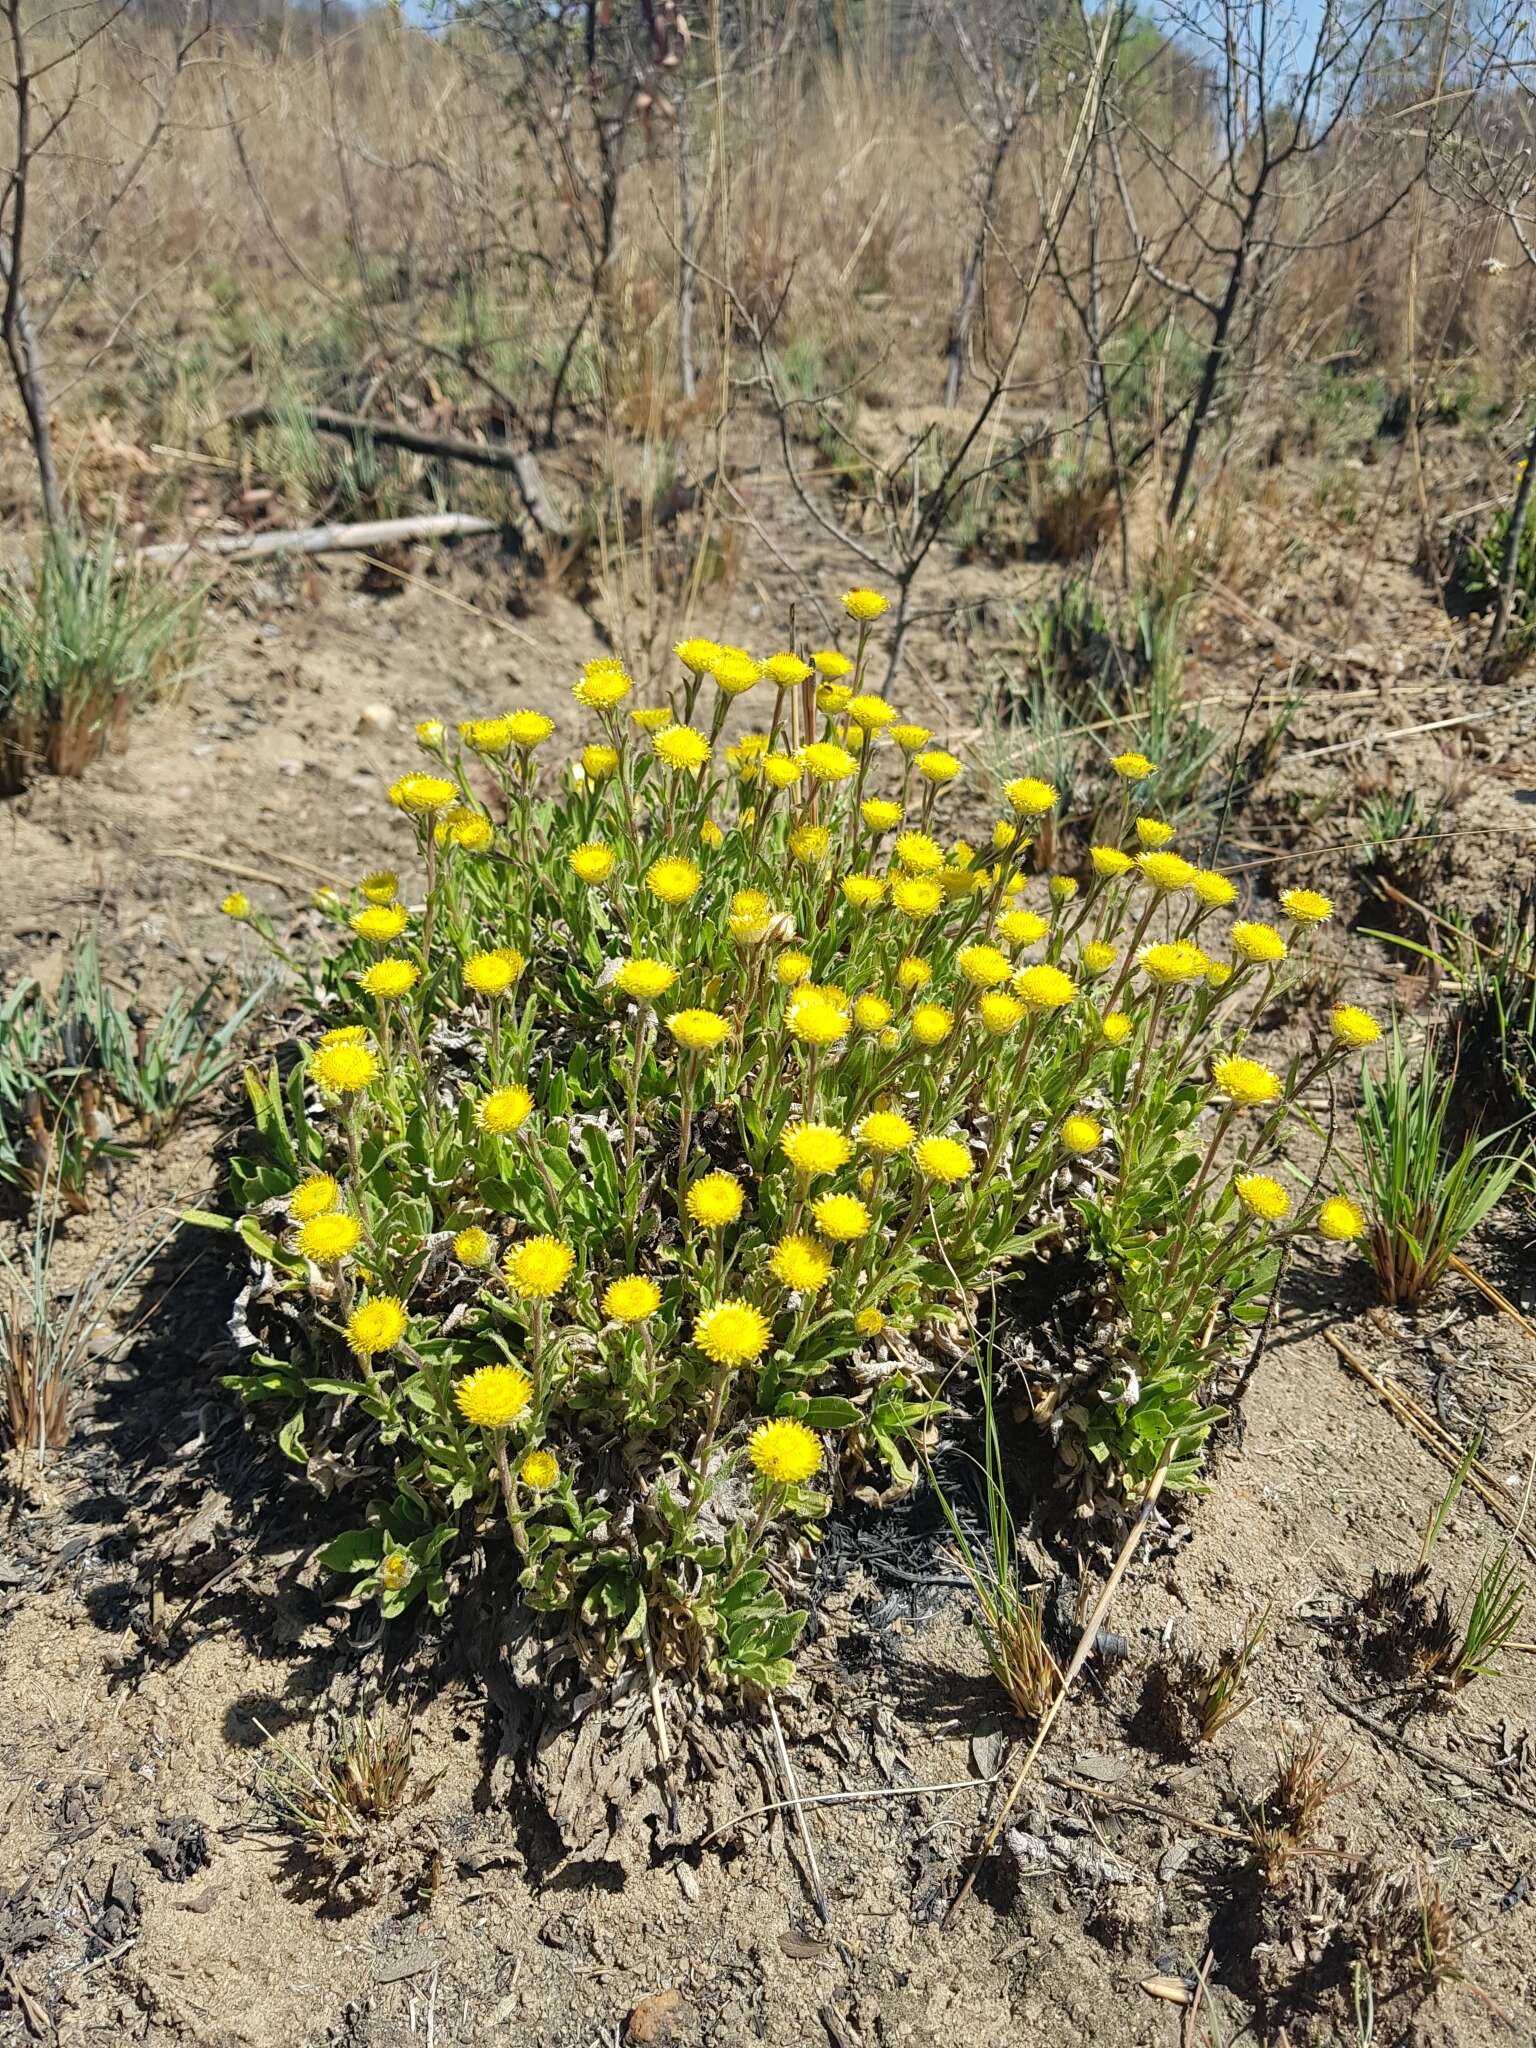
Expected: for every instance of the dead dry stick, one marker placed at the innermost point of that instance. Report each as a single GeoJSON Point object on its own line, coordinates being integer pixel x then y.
{"type": "Point", "coordinates": [1427, 1757]}
{"type": "Point", "coordinates": [818, 1889]}
{"type": "Point", "coordinates": [1439, 1442]}
{"type": "Point", "coordinates": [1080, 1657]}
{"type": "Point", "coordinates": [226, 867]}
{"type": "Point", "coordinates": [320, 540]}
{"type": "Point", "coordinates": [1491, 1293]}
{"type": "Point", "coordinates": [515, 462]}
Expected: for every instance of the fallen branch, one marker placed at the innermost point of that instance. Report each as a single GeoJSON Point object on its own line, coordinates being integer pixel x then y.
{"type": "Point", "coordinates": [515, 462]}
{"type": "Point", "coordinates": [320, 540]}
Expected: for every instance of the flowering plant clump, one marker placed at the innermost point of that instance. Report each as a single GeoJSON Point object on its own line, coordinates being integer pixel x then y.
{"type": "Point", "coordinates": [677, 1083]}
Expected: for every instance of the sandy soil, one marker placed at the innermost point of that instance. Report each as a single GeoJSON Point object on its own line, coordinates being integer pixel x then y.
{"type": "Point", "coordinates": [161, 1624]}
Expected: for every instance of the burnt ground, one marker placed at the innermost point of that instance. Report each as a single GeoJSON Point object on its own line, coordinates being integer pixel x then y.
{"type": "Point", "coordinates": [161, 1623]}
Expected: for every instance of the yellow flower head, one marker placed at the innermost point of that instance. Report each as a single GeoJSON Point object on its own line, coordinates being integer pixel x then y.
{"type": "Point", "coordinates": [1031, 797]}
{"type": "Point", "coordinates": [917, 896]}
{"type": "Point", "coordinates": [710, 835]}
{"type": "Point", "coordinates": [809, 843]}
{"type": "Point", "coordinates": [474, 1247]}
{"type": "Point", "coordinates": [537, 1269]}
{"type": "Point", "coordinates": [376, 1325]}
{"type": "Point", "coordinates": [983, 966]}
{"type": "Point", "coordinates": [540, 1471]}
{"type": "Point", "coordinates": [786, 670]}
{"type": "Point", "coordinates": [862, 892]}
{"type": "Point", "coordinates": [396, 1570]}
{"type": "Point", "coordinates": [935, 765]}
{"type": "Point", "coordinates": [1262, 1197]}
{"type": "Point", "coordinates": [632, 1299]}
{"type": "Point", "coordinates": [604, 684]}
{"type": "Point", "coordinates": [486, 735]}
{"type": "Point", "coordinates": [716, 1200]}
{"type": "Point", "coordinates": [885, 1132]}
{"type": "Point", "coordinates": [1044, 987]}
{"type": "Point", "coordinates": [825, 761]}
{"type": "Point", "coordinates": [734, 671]}
{"type": "Point", "coordinates": [912, 973]}
{"type": "Point", "coordinates": [792, 968]}
{"type": "Point", "coordinates": [1081, 1134]}
{"type": "Point", "coordinates": [932, 1023]}
{"type": "Point", "coordinates": [841, 1217]}
{"type": "Point", "coordinates": [865, 605]}
{"type": "Point", "coordinates": [672, 880]}
{"type": "Point", "coordinates": [382, 886]}
{"type": "Point", "coordinates": [696, 654]}
{"type": "Point", "coordinates": [504, 1111]}
{"type": "Point", "coordinates": [1153, 833]}
{"type": "Point", "coordinates": [1115, 1027]}
{"type": "Point", "coordinates": [1259, 944]}
{"type": "Point", "coordinates": [1171, 963]}
{"type": "Point", "coordinates": [699, 1030]}
{"type": "Point", "coordinates": [785, 1452]}
{"type": "Point", "coordinates": [1217, 973]}
{"type": "Point", "coordinates": [1063, 888]}
{"type": "Point", "coordinates": [1354, 1027]}
{"type": "Point", "coordinates": [911, 738]}
{"type": "Point", "coordinates": [880, 814]}
{"type": "Point", "coordinates": [380, 923]}
{"type": "Point", "coordinates": [1132, 767]}
{"type": "Point", "coordinates": [1305, 906]}
{"type": "Point", "coordinates": [1168, 873]}
{"type": "Point", "coordinates": [871, 1012]}
{"type": "Point", "coordinates": [682, 748]}
{"type": "Point", "coordinates": [470, 831]}
{"type": "Point", "coordinates": [732, 1333]}
{"type": "Point", "coordinates": [330, 1238]}
{"type": "Point", "coordinates": [652, 718]}
{"type": "Point", "coordinates": [781, 771]}
{"type": "Point", "coordinates": [529, 728]}
{"type": "Point", "coordinates": [592, 862]}
{"type": "Point", "coordinates": [943, 1159]}
{"type": "Point", "coordinates": [1245, 1082]}
{"type": "Point", "coordinates": [831, 664]}
{"type": "Point", "coordinates": [1098, 957]}
{"type": "Point", "coordinates": [833, 698]}
{"type": "Point", "coordinates": [1022, 927]}
{"type": "Point", "coordinates": [1340, 1219]}
{"type": "Point", "coordinates": [1109, 861]}
{"type": "Point", "coordinates": [488, 974]}
{"type": "Point", "coordinates": [599, 762]}
{"type": "Point", "coordinates": [315, 1196]}
{"type": "Point", "coordinates": [919, 854]}
{"type": "Point", "coordinates": [429, 734]}
{"type": "Point", "coordinates": [388, 980]}
{"type": "Point", "coordinates": [236, 905]}
{"type": "Point", "coordinates": [801, 1264]}
{"type": "Point", "coordinates": [873, 713]}
{"type": "Point", "coordinates": [644, 980]}
{"type": "Point", "coordinates": [1000, 1012]}
{"type": "Point", "coordinates": [816, 1020]}
{"type": "Point", "coordinates": [1213, 890]}
{"type": "Point", "coordinates": [814, 1149]}
{"type": "Point", "coordinates": [493, 1395]}
{"type": "Point", "coordinates": [420, 795]}
{"type": "Point", "coordinates": [344, 1069]}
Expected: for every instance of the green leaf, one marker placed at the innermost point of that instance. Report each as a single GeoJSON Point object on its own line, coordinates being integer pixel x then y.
{"type": "Point", "coordinates": [355, 1550]}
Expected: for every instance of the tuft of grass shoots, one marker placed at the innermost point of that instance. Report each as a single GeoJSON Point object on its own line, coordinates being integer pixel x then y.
{"type": "Point", "coordinates": [1422, 1200]}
